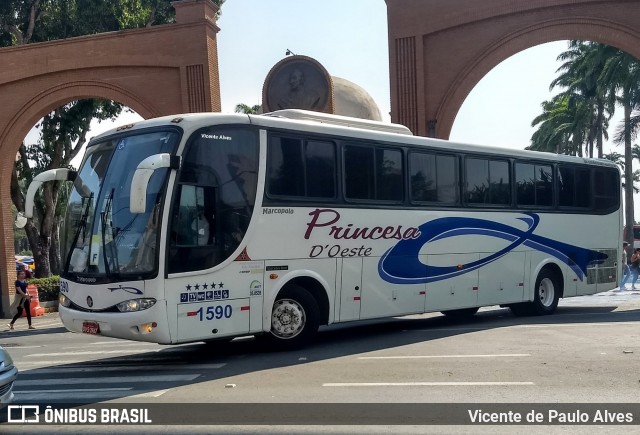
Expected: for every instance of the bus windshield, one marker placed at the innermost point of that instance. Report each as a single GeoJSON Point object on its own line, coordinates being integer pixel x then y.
{"type": "Point", "coordinates": [102, 238]}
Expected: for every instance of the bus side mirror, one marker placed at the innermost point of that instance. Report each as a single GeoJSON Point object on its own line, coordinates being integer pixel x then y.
{"type": "Point", "coordinates": [60, 174]}
{"type": "Point", "coordinates": [140, 181]}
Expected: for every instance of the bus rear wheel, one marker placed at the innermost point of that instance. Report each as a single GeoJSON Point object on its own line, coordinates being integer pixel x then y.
{"type": "Point", "coordinates": [295, 318]}
{"type": "Point", "coordinates": [545, 298]}
{"type": "Point", "coordinates": [547, 293]}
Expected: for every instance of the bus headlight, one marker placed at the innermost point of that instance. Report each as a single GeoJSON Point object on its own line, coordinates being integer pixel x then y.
{"type": "Point", "coordinates": [63, 300]}
{"type": "Point", "coordinates": [136, 305]}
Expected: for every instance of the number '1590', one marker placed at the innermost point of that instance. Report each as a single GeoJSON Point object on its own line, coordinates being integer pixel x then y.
{"type": "Point", "coordinates": [217, 312]}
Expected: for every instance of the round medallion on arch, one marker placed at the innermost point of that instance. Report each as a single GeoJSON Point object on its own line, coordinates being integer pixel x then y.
{"type": "Point", "coordinates": [298, 82]}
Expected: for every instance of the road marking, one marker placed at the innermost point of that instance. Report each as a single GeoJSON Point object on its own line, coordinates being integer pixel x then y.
{"type": "Point", "coordinates": [422, 384]}
{"type": "Point", "coordinates": [42, 364]}
{"type": "Point", "coordinates": [544, 325]}
{"type": "Point", "coordinates": [107, 380]}
{"type": "Point", "coordinates": [504, 355]}
{"type": "Point", "coordinates": [63, 395]}
{"type": "Point", "coordinates": [111, 343]}
{"type": "Point", "coordinates": [149, 394]}
{"type": "Point", "coordinates": [91, 352]}
{"type": "Point", "coordinates": [74, 390]}
{"type": "Point", "coordinates": [98, 368]}
{"type": "Point", "coordinates": [575, 325]}
{"type": "Point", "coordinates": [436, 329]}
{"type": "Point", "coordinates": [123, 342]}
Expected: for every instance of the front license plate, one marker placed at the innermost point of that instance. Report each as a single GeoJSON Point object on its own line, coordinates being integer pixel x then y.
{"type": "Point", "coordinates": [90, 328]}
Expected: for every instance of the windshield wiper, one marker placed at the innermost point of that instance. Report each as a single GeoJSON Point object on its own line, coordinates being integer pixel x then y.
{"type": "Point", "coordinates": [113, 248]}
{"type": "Point", "coordinates": [82, 226]}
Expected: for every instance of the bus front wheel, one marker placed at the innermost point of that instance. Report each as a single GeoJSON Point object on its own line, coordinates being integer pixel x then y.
{"type": "Point", "coordinates": [295, 318]}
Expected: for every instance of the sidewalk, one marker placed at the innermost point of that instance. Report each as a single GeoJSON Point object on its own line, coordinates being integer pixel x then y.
{"type": "Point", "coordinates": [46, 321]}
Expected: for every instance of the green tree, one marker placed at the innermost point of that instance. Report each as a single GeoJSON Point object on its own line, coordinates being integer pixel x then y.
{"type": "Point", "coordinates": [249, 110]}
{"type": "Point", "coordinates": [583, 65]}
{"type": "Point", "coordinates": [64, 131]}
{"type": "Point", "coordinates": [562, 125]}
{"type": "Point", "coordinates": [621, 75]}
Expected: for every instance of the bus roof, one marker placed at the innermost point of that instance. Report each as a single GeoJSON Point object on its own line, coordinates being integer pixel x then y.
{"type": "Point", "coordinates": [341, 126]}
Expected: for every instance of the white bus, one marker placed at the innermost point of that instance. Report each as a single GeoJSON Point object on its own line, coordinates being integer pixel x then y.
{"type": "Point", "coordinates": [200, 227]}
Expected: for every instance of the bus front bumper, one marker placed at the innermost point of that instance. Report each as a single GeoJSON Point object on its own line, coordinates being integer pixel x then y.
{"type": "Point", "coordinates": [148, 325]}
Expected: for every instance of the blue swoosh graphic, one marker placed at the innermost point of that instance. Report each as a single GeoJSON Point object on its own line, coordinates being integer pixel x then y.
{"type": "Point", "coordinates": [401, 265]}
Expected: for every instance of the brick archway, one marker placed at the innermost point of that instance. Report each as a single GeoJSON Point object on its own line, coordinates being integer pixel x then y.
{"type": "Point", "coordinates": [440, 49]}
{"type": "Point", "coordinates": [155, 71]}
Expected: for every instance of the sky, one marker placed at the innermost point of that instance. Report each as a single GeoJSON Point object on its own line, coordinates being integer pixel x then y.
{"type": "Point", "coordinates": [349, 38]}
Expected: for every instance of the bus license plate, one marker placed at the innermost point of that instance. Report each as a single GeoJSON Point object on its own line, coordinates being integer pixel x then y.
{"type": "Point", "coordinates": [90, 328]}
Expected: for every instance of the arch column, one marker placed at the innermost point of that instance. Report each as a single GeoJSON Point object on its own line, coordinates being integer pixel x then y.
{"type": "Point", "coordinates": [156, 71]}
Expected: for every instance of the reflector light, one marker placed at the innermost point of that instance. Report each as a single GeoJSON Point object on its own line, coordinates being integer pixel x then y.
{"type": "Point", "coordinates": [273, 276]}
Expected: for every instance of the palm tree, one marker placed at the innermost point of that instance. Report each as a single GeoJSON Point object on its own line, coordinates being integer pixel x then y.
{"type": "Point", "coordinates": [249, 110]}
{"type": "Point", "coordinates": [580, 72]}
{"type": "Point", "coordinates": [621, 75]}
{"type": "Point", "coordinates": [562, 127]}
{"type": "Point", "coordinates": [618, 159]}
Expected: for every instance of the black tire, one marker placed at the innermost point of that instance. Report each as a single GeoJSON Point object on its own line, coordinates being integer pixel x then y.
{"type": "Point", "coordinates": [545, 298]}
{"type": "Point", "coordinates": [520, 310]}
{"type": "Point", "coordinates": [546, 294]}
{"type": "Point", "coordinates": [461, 313]}
{"type": "Point", "coordinates": [295, 318]}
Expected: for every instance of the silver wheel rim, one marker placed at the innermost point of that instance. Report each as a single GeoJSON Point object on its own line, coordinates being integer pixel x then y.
{"type": "Point", "coordinates": [546, 292]}
{"type": "Point", "coordinates": [287, 318]}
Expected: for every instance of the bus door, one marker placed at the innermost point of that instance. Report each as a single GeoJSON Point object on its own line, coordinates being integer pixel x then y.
{"type": "Point", "coordinates": [350, 289]}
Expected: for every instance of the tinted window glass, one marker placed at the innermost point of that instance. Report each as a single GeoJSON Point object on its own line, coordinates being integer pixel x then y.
{"type": "Point", "coordinates": [373, 173]}
{"type": "Point", "coordinates": [525, 184]}
{"type": "Point", "coordinates": [301, 171]}
{"type": "Point", "coordinates": [607, 188]}
{"type": "Point", "coordinates": [389, 186]}
{"type": "Point", "coordinates": [423, 177]}
{"type": "Point", "coordinates": [534, 185]}
{"type": "Point", "coordinates": [359, 172]}
{"type": "Point", "coordinates": [320, 159]}
{"type": "Point", "coordinates": [544, 185]}
{"type": "Point", "coordinates": [433, 178]}
{"type": "Point", "coordinates": [487, 182]}
{"type": "Point", "coordinates": [575, 187]}
{"type": "Point", "coordinates": [499, 182]}
{"type": "Point", "coordinates": [447, 179]}
{"type": "Point", "coordinates": [215, 197]}
{"type": "Point", "coordinates": [566, 183]}
{"type": "Point", "coordinates": [477, 176]}
{"type": "Point", "coordinates": [285, 167]}
{"type": "Point", "coordinates": [583, 191]}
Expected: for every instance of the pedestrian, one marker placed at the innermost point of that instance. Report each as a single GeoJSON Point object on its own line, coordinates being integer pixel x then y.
{"type": "Point", "coordinates": [635, 267]}
{"type": "Point", "coordinates": [22, 300]}
{"type": "Point", "coordinates": [27, 271]}
{"type": "Point", "coordinates": [626, 271]}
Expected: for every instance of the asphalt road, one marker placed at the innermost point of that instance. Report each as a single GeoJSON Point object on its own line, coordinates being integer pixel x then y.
{"type": "Point", "coordinates": [588, 352]}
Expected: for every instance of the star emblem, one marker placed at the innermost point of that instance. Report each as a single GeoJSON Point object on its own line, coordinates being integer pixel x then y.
{"type": "Point", "coordinates": [221, 285]}
{"type": "Point", "coordinates": [197, 287]}
{"type": "Point", "coordinates": [205, 286]}
{"type": "Point", "coordinates": [188, 287]}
